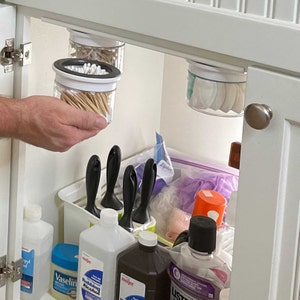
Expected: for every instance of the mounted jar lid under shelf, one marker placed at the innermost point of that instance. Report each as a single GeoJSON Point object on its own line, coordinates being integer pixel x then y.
{"type": "Point", "coordinates": [86, 84]}
{"type": "Point", "coordinates": [216, 90]}
{"type": "Point", "coordinates": [94, 47]}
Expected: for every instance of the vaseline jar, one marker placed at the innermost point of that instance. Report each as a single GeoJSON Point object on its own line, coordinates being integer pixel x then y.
{"type": "Point", "coordinates": [64, 269]}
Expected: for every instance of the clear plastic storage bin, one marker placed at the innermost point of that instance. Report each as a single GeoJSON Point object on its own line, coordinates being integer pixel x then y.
{"type": "Point", "coordinates": [77, 218]}
{"type": "Point", "coordinates": [216, 90]}
{"type": "Point", "coordinates": [86, 84]}
{"type": "Point", "coordinates": [89, 46]}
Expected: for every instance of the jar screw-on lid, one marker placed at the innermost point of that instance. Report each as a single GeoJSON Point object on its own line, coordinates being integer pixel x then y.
{"type": "Point", "coordinates": [65, 256]}
{"type": "Point", "coordinates": [67, 74]}
{"type": "Point", "coordinates": [202, 234]}
{"type": "Point", "coordinates": [215, 73]}
{"type": "Point", "coordinates": [91, 40]}
{"type": "Point", "coordinates": [68, 65]}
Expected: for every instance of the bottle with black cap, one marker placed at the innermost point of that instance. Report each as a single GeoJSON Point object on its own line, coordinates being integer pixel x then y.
{"type": "Point", "coordinates": [195, 271]}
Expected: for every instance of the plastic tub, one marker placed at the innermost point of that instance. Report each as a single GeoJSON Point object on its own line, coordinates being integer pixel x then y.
{"type": "Point", "coordinates": [77, 218]}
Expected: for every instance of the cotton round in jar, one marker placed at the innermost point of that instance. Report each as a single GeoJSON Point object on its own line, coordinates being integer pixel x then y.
{"type": "Point", "coordinates": [215, 89]}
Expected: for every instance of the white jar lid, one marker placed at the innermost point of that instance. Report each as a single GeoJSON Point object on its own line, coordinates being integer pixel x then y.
{"type": "Point", "coordinates": [86, 82]}
{"type": "Point", "coordinates": [93, 40]}
{"type": "Point", "coordinates": [216, 73]}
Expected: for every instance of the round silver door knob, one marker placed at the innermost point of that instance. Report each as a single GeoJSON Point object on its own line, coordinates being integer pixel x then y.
{"type": "Point", "coordinates": [258, 116]}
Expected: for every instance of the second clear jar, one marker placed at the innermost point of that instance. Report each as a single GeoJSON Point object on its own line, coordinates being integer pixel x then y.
{"type": "Point", "coordinates": [216, 90]}
{"type": "Point", "coordinates": [94, 47]}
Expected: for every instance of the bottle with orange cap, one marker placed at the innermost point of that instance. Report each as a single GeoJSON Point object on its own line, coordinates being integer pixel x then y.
{"type": "Point", "coordinates": [211, 204]}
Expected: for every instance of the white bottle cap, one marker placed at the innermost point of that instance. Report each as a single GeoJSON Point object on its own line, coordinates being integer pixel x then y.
{"type": "Point", "coordinates": [148, 238]}
{"type": "Point", "coordinates": [224, 295]}
{"type": "Point", "coordinates": [33, 212]}
{"type": "Point", "coordinates": [109, 216]}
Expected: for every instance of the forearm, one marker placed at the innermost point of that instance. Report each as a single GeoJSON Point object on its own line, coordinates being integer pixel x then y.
{"type": "Point", "coordinates": [10, 115]}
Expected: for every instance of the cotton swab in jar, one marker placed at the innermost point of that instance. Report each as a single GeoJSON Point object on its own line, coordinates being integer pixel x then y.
{"type": "Point", "coordinates": [87, 68]}
{"type": "Point", "coordinates": [95, 102]}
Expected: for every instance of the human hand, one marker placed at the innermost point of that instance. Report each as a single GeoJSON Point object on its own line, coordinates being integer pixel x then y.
{"type": "Point", "coordinates": [49, 123]}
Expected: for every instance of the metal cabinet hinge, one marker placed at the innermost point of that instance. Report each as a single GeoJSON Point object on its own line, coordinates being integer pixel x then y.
{"type": "Point", "coordinates": [9, 55]}
{"type": "Point", "coordinates": [12, 271]}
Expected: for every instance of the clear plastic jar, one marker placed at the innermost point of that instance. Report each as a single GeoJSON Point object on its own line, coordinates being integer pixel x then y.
{"type": "Point", "coordinates": [82, 88]}
{"type": "Point", "coordinates": [216, 90]}
{"type": "Point", "coordinates": [89, 46]}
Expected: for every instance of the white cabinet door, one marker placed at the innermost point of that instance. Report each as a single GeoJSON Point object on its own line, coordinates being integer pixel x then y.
{"type": "Point", "coordinates": [266, 260]}
{"type": "Point", "coordinates": [7, 21]}
{"type": "Point", "coordinates": [5, 149]}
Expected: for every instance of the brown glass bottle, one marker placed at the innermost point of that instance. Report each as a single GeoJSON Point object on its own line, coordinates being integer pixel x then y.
{"type": "Point", "coordinates": [235, 155]}
{"type": "Point", "coordinates": [142, 270]}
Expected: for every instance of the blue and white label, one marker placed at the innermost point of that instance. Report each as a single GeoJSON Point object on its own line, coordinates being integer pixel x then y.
{"type": "Point", "coordinates": [131, 289]}
{"type": "Point", "coordinates": [28, 270]}
{"type": "Point", "coordinates": [65, 284]}
{"type": "Point", "coordinates": [91, 277]}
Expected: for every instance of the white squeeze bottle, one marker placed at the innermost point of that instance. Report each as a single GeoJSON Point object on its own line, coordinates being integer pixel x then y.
{"type": "Point", "coordinates": [99, 246]}
{"type": "Point", "coordinates": [37, 242]}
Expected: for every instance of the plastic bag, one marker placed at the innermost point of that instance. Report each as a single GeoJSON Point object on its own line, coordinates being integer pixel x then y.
{"type": "Point", "coordinates": [159, 153]}
{"type": "Point", "coordinates": [190, 176]}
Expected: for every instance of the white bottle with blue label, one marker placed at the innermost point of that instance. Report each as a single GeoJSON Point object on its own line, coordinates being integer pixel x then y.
{"type": "Point", "coordinates": [98, 250]}
{"type": "Point", "coordinates": [37, 243]}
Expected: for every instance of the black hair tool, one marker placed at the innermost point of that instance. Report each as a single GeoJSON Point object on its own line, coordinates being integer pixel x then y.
{"type": "Point", "coordinates": [110, 199]}
{"type": "Point", "coordinates": [129, 195]}
{"type": "Point", "coordinates": [92, 179]}
{"type": "Point", "coordinates": [141, 213]}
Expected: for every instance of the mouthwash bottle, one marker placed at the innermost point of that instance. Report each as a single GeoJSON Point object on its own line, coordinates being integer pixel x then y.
{"type": "Point", "coordinates": [99, 246]}
{"type": "Point", "coordinates": [142, 270]}
{"type": "Point", "coordinates": [196, 273]}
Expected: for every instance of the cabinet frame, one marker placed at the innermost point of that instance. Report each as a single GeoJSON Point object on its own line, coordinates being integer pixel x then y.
{"type": "Point", "coordinates": [146, 26]}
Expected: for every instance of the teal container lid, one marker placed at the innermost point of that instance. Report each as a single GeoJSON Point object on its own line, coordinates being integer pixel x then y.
{"type": "Point", "coordinates": [65, 256]}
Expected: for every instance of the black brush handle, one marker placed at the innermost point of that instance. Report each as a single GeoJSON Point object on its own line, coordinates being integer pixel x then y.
{"type": "Point", "coordinates": [110, 200]}
{"type": "Point", "coordinates": [113, 168]}
{"type": "Point", "coordinates": [129, 195]}
{"type": "Point", "coordinates": [92, 179]}
{"type": "Point", "coordinates": [141, 214]}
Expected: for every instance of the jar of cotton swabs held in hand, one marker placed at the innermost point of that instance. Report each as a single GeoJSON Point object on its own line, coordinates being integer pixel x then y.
{"type": "Point", "coordinates": [86, 84]}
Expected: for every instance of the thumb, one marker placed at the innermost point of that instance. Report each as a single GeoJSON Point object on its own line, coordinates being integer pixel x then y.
{"type": "Point", "coordinates": [89, 121]}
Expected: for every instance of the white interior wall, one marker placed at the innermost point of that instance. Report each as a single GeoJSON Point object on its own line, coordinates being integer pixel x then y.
{"type": "Point", "coordinates": [148, 77]}
{"type": "Point", "coordinates": [187, 130]}
{"type": "Point", "coordinates": [136, 118]}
